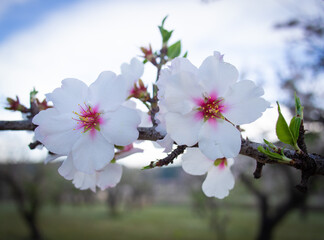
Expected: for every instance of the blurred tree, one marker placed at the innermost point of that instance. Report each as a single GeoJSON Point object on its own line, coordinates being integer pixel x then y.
{"type": "Point", "coordinates": [272, 208]}
{"type": "Point", "coordinates": [305, 64]}
{"type": "Point", "coordinates": [210, 208]}
{"type": "Point", "coordinates": [304, 76]}
{"type": "Point", "coordinates": [25, 185]}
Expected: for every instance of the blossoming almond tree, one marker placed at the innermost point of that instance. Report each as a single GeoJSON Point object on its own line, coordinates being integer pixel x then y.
{"type": "Point", "coordinates": [199, 108]}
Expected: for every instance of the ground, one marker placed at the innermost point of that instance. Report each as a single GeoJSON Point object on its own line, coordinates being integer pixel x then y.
{"type": "Point", "coordinates": [155, 222]}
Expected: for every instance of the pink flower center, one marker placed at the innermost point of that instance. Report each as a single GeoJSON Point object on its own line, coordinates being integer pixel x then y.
{"type": "Point", "coordinates": [88, 118]}
{"type": "Point", "coordinates": [220, 163]}
{"type": "Point", "coordinates": [211, 108]}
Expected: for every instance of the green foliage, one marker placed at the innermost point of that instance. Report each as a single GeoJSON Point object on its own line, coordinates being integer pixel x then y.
{"type": "Point", "coordinates": [33, 94]}
{"type": "Point", "coordinates": [289, 134]}
{"type": "Point", "coordinates": [294, 128]}
{"type": "Point", "coordinates": [298, 107]}
{"type": "Point", "coordinates": [276, 153]}
{"type": "Point", "coordinates": [174, 50]}
{"type": "Point", "coordinates": [286, 134]}
{"type": "Point", "coordinates": [165, 33]}
{"type": "Point", "coordinates": [283, 131]}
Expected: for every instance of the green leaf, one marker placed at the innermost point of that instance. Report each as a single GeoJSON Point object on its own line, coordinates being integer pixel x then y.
{"type": "Point", "coordinates": [294, 127]}
{"type": "Point", "coordinates": [174, 50]}
{"type": "Point", "coordinates": [279, 157]}
{"type": "Point", "coordinates": [165, 33]}
{"type": "Point", "coordinates": [145, 61]}
{"type": "Point", "coordinates": [298, 107]}
{"type": "Point", "coordinates": [282, 130]}
{"type": "Point", "coordinates": [164, 20]}
{"type": "Point", "coordinates": [186, 54]}
{"type": "Point", "coordinates": [146, 167]}
{"type": "Point", "coordinates": [33, 94]}
{"type": "Point", "coordinates": [269, 153]}
{"type": "Point", "coordinates": [271, 145]}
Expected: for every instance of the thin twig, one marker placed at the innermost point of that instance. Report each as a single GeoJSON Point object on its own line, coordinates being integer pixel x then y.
{"type": "Point", "coordinates": [168, 159]}
{"type": "Point", "coordinates": [258, 170]}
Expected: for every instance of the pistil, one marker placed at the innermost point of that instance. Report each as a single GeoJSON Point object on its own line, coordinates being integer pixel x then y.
{"type": "Point", "coordinates": [211, 108]}
{"type": "Point", "coordinates": [88, 118]}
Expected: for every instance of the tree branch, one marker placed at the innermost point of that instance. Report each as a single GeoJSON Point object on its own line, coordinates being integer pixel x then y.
{"type": "Point", "coordinates": [168, 159]}
{"type": "Point", "coordinates": [17, 125]}
{"type": "Point", "coordinates": [312, 164]}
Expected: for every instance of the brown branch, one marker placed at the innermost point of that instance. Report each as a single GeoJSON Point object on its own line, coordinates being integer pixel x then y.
{"type": "Point", "coordinates": [258, 170]}
{"type": "Point", "coordinates": [168, 159]}
{"type": "Point", "coordinates": [313, 164]}
{"type": "Point", "coordinates": [17, 125]}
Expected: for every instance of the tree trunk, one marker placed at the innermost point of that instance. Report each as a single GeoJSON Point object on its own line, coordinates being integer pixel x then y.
{"type": "Point", "coordinates": [31, 221]}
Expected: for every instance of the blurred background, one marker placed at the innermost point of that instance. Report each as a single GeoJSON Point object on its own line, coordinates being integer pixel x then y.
{"type": "Point", "coordinates": [276, 43]}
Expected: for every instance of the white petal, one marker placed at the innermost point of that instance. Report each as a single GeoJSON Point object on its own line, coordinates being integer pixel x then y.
{"type": "Point", "coordinates": [85, 181]}
{"type": "Point", "coordinates": [53, 121]}
{"type": "Point", "coordinates": [177, 65]}
{"type": "Point", "coordinates": [92, 153]}
{"type": "Point", "coordinates": [38, 135]}
{"type": "Point", "coordinates": [123, 154]}
{"type": "Point", "coordinates": [183, 129]}
{"type": "Point", "coordinates": [166, 143]}
{"type": "Point", "coordinates": [219, 140]}
{"type": "Point", "coordinates": [58, 143]}
{"type": "Point", "coordinates": [109, 176]}
{"type": "Point", "coordinates": [69, 95]}
{"type": "Point", "coordinates": [160, 118]}
{"type": "Point", "coordinates": [146, 120]}
{"type": "Point", "coordinates": [120, 127]}
{"type": "Point", "coordinates": [51, 157]}
{"type": "Point", "coordinates": [195, 163]}
{"type": "Point", "coordinates": [133, 71]}
{"type": "Point", "coordinates": [56, 131]}
{"type": "Point", "coordinates": [182, 65]}
{"type": "Point", "coordinates": [216, 76]}
{"type": "Point", "coordinates": [244, 103]}
{"type": "Point", "coordinates": [67, 169]}
{"type": "Point", "coordinates": [218, 182]}
{"type": "Point", "coordinates": [108, 91]}
{"type": "Point", "coordinates": [180, 92]}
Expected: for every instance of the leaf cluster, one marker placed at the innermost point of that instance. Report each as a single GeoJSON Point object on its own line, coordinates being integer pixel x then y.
{"type": "Point", "coordinates": [287, 134]}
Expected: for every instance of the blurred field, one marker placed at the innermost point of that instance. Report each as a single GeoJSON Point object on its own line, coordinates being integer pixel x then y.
{"type": "Point", "coordinates": [157, 222]}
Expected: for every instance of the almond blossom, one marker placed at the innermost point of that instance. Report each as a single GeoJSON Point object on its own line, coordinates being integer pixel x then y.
{"type": "Point", "coordinates": [219, 178]}
{"type": "Point", "coordinates": [108, 177]}
{"type": "Point", "coordinates": [86, 123]}
{"type": "Point", "coordinates": [203, 105]}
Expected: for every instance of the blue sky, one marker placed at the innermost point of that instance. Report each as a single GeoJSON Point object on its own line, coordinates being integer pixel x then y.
{"type": "Point", "coordinates": [44, 41]}
{"type": "Point", "coordinates": [24, 14]}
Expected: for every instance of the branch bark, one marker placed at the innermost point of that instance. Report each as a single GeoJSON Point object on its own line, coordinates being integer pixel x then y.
{"type": "Point", "coordinates": [311, 164]}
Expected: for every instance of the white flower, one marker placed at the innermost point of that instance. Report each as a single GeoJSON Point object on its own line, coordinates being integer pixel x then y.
{"type": "Point", "coordinates": [203, 104]}
{"type": "Point", "coordinates": [219, 178]}
{"type": "Point", "coordinates": [86, 122]}
{"type": "Point", "coordinates": [108, 177]}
